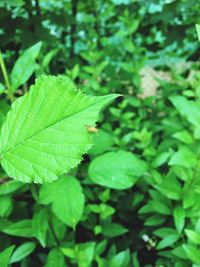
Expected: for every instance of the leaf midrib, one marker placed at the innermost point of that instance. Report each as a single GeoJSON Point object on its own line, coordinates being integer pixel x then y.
{"type": "Point", "coordinates": [38, 132]}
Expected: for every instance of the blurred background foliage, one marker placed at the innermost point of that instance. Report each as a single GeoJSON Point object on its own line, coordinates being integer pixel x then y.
{"type": "Point", "coordinates": [148, 51]}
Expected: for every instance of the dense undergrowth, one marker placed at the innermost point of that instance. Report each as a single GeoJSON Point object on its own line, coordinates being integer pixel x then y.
{"type": "Point", "coordinates": [134, 199]}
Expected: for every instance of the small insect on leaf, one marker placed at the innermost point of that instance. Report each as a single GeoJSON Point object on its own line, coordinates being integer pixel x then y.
{"type": "Point", "coordinates": [91, 129]}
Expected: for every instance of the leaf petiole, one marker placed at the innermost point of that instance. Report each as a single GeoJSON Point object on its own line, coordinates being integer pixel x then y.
{"type": "Point", "coordinates": [5, 75]}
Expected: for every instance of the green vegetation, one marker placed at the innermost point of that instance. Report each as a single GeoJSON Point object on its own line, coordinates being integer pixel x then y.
{"type": "Point", "coordinates": [133, 199]}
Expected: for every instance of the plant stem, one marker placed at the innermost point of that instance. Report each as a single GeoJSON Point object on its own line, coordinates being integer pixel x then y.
{"type": "Point", "coordinates": [5, 75]}
{"type": "Point", "coordinates": [53, 234]}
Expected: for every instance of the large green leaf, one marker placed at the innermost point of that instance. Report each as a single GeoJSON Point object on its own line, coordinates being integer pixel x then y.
{"type": "Point", "coordinates": [46, 131]}
{"type": "Point", "coordinates": [24, 66]}
{"type": "Point", "coordinates": [117, 170]}
{"type": "Point", "coordinates": [67, 202]}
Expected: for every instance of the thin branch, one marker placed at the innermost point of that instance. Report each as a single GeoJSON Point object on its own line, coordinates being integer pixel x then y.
{"type": "Point", "coordinates": [5, 75]}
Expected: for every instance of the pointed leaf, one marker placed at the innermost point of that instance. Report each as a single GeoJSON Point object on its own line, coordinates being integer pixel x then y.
{"type": "Point", "coordinates": [113, 229]}
{"type": "Point", "coordinates": [22, 228]}
{"type": "Point", "coordinates": [179, 218]}
{"type": "Point", "coordinates": [167, 241]}
{"type": "Point", "coordinates": [40, 226]}
{"type": "Point", "coordinates": [22, 252]}
{"type": "Point", "coordinates": [24, 66]}
{"type": "Point", "coordinates": [46, 131]}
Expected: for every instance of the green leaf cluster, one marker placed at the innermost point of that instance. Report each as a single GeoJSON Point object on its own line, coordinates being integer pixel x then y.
{"type": "Point", "coordinates": [80, 187]}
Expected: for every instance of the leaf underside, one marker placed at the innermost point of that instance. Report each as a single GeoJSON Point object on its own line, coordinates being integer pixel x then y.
{"type": "Point", "coordinates": [46, 131]}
